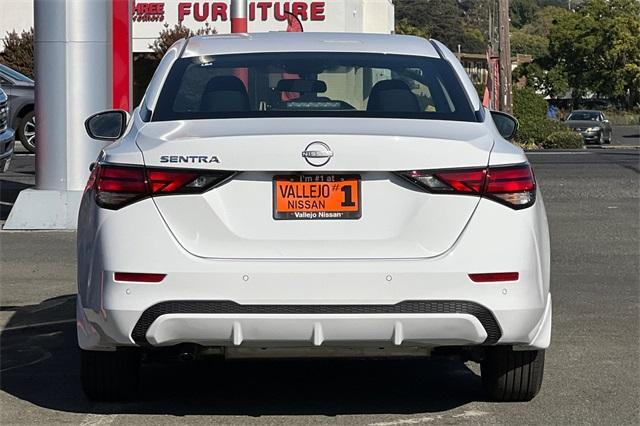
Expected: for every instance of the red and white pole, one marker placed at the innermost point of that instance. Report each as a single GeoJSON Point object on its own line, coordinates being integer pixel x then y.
{"type": "Point", "coordinates": [239, 16]}
{"type": "Point", "coordinates": [239, 24]}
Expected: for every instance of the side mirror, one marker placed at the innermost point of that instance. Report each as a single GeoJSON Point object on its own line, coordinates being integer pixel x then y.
{"type": "Point", "coordinates": [507, 125]}
{"type": "Point", "coordinates": [107, 125]}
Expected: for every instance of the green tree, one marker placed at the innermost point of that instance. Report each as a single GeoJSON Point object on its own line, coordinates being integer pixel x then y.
{"type": "Point", "coordinates": [168, 36]}
{"type": "Point", "coordinates": [599, 49]}
{"type": "Point", "coordinates": [529, 44]}
{"type": "Point", "coordinates": [521, 12]}
{"type": "Point", "coordinates": [543, 20]}
{"type": "Point", "coordinates": [404, 27]}
{"type": "Point", "coordinates": [439, 19]}
{"type": "Point", "coordinates": [18, 52]}
{"type": "Point", "coordinates": [551, 81]}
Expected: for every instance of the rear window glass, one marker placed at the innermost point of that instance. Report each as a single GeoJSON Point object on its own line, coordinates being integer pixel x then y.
{"type": "Point", "coordinates": [312, 84]}
{"type": "Point", "coordinates": [584, 116]}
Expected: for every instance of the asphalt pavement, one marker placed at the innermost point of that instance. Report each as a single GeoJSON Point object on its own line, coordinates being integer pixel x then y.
{"type": "Point", "coordinates": [592, 373]}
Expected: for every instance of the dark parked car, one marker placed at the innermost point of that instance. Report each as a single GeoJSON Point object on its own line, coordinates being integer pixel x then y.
{"type": "Point", "coordinates": [6, 134]}
{"type": "Point", "coordinates": [591, 124]}
{"type": "Point", "coordinates": [20, 90]}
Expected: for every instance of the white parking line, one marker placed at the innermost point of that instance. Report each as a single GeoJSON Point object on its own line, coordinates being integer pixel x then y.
{"type": "Point", "coordinates": [559, 152]}
{"type": "Point", "coordinates": [414, 421]}
{"type": "Point", "coordinates": [98, 419]}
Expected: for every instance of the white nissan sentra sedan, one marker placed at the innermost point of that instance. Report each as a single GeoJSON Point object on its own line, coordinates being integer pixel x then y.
{"type": "Point", "coordinates": [311, 195]}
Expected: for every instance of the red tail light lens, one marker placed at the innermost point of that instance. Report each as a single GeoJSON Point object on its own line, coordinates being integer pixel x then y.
{"type": "Point", "coordinates": [469, 181]}
{"type": "Point", "coordinates": [118, 186]}
{"type": "Point", "coordinates": [513, 186]}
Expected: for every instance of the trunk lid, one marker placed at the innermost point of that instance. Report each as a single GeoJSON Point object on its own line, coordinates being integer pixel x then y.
{"type": "Point", "coordinates": [236, 219]}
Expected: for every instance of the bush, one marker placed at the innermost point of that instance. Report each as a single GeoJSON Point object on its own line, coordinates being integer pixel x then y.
{"type": "Point", "coordinates": [563, 139]}
{"type": "Point", "coordinates": [535, 131]}
{"type": "Point", "coordinates": [531, 109]}
{"type": "Point", "coordinates": [527, 104]}
{"type": "Point", "coordinates": [18, 52]}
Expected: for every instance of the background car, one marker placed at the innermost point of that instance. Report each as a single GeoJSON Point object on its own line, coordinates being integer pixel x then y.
{"type": "Point", "coordinates": [20, 90]}
{"type": "Point", "coordinates": [591, 124]}
{"type": "Point", "coordinates": [6, 134]}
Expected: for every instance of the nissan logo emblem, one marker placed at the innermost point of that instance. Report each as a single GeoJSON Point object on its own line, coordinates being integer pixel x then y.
{"type": "Point", "coordinates": [317, 154]}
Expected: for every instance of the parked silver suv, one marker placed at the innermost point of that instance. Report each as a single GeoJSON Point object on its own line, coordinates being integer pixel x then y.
{"type": "Point", "coordinates": [20, 91]}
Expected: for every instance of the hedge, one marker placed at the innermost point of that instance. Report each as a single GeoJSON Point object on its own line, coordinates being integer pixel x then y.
{"type": "Point", "coordinates": [536, 130]}
{"type": "Point", "coordinates": [563, 140]}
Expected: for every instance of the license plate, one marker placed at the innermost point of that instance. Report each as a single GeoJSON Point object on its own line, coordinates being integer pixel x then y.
{"type": "Point", "coordinates": [316, 197]}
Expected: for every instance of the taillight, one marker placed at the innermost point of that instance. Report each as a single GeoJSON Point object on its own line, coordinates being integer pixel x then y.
{"type": "Point", "coordinates": [118, 186]}
{"type": "Point", "coordinates": [513, 186]}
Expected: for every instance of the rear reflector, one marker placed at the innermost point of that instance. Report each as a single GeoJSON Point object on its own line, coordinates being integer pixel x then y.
{"type": "Point", "coordinates": [492, 277]}
{"type": "Point", "coordinates": [512, 185]}
{"type": "Point", "coordinates": [138, 277]}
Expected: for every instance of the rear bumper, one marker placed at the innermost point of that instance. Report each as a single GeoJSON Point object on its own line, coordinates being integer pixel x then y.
{"type": "Point", "coordinates": [227, 324]}
{"type": "Point", "coordinates": [301, 303]}
{"type": "Point", "coordinates": [224, 323]}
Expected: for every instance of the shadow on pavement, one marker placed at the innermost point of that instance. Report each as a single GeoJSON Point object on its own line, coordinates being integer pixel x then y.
{"type": "Point", "coordinates": [9, 191]}
{"type": "Point", "coordinates": [39, 364]}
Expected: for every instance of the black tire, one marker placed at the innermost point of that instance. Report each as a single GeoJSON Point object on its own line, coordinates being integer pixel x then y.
{"type": "Point", "coordinates": [27, 131]}
{"type": "Point", "coordinates": [509, 375]}
{"type": "Point", "coordinates": [601, 138]}
{"type": "Point", "coordinates": [110, 376]}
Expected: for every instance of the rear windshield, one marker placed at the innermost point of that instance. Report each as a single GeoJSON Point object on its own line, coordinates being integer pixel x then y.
{"type": "Point", "coordinates": [584, 116]}
{"type": "Point", "coordinates": [312, 85]}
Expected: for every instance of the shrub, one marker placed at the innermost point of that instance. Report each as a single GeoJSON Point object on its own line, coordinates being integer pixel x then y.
{"type": "Point", "coordinates": [530, 109]}
{"type": "Point", "coordinates": [563, 139]}
{"type": "Point", "coordinates": [18, 52]}
{"type": "Point", "coordinates": [534, 131]}
{"type": "Point", "coordinates": [527, 104]}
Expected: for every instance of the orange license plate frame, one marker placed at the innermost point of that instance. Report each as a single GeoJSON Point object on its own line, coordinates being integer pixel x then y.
{"type": "Point", "coordinates": [317, 197]}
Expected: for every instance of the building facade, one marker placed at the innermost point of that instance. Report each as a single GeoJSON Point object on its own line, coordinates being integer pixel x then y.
{"type": "Point", "coordinates": [149, 17]}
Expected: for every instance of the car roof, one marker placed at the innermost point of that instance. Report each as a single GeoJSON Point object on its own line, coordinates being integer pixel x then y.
{"type": "Point", "coordinates": [586, 110]}
{"type": "Point", "coordinates": [308, 42]}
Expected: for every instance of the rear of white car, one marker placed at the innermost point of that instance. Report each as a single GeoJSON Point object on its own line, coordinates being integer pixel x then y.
{"type": "Point", "coordinates": [313, 195]}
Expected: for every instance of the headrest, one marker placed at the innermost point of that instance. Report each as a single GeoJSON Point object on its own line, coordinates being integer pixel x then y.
{"type": "Point", "coordinates": [301, 86]}
{"type": "Point", "coordinates": [392, 96]}
{"type": "Point", "coordinates": [390, 85]}
{"type": "Point", "coordinates": [225, 93]}
{"type": "Point", "coordinates": [225, 82]}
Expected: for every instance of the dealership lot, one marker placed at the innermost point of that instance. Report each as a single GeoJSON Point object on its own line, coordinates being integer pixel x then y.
{"type": "Point", "coordinates": [592, 374]}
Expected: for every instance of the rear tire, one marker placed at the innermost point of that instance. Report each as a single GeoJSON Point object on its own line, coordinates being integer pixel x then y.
{"type": "Point", "coordinates": [110, 376]}
{"type": "Point", "coordinates": [509, 375]}
{"type": "Point", "coordinates": [27, 131]}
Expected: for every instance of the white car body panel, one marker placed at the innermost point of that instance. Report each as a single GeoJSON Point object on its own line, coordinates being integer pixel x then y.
{"type": "Point", "coordinates": [223, 246]}
{"type": "Point", "coordinates": [307, 42]}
